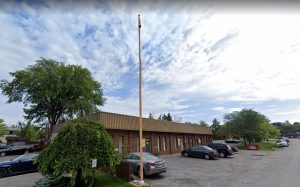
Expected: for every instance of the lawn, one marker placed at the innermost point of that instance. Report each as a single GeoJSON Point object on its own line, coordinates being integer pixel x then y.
{"type": "Point", "coordinates": [264, 145]}
{"type": "Point", "coordinates": [105, 180]}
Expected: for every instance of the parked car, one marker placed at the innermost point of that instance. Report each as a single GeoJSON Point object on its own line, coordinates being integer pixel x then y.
{"type": "Point", "coordinates": [223, 149]}
{"type": "Point", "coordinates": [152, 164]}
{"type": "Point", "coordinates": [281, 143]}
{"type": "Point", "coordinates": [21, 164]}
{"type": "Point", "coordinates": [200, 152]}
{"type": "Point", "coordinates": [234, 148]}
{"type": "Point", "coordinates": [285, 139]}
{"type": "Point", "coordinates": [234, 141]}
{"type": "Point", "coordinates": [13, 149]}
{"type": "Point", "coordinates": [3, 145]}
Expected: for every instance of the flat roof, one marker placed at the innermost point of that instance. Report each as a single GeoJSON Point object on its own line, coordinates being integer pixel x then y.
{"type": "Point", "coordinates": [126, 122]}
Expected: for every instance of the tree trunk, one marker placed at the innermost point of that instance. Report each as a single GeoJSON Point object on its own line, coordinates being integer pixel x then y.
{"type": "Point", "coordinates": [49, 135]}
{"type": "Point", "coordinates": [78, 181]}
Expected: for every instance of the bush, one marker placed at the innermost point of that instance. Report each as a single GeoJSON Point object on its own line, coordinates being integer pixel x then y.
{"type": "Point", "coordinates": [73, 149]}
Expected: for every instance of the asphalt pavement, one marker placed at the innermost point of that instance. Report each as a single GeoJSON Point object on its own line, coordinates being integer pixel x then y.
{"type": "Point", "coordinates": [279, 168]}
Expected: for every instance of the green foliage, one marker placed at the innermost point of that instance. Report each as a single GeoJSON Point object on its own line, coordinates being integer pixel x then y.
{"type": "Point", "coordinates": [203, 124]}
{"type": "Point", "coordinates": [249, 125]}
{"type": "Point", "coordinates": [151, 116]}
{"type": "Point", "coordinates": [215, 126]}
{"type": "Point", "coordinates": [105, 180]}
{"type": "Point", "coordinates": [73, 149]}
{"type": "Point", "coordinates": [28, 130]}
{"type": "Point", "coordinates": [165, 117]}
{"type": "Point", "coordinates": [3, 127]}
{"type": "Point", "coordinates": [264, 146]}
{"type": "Point", "coordinates": [52, 90]}
{"type": "Point", "coordinates": [286, 127]}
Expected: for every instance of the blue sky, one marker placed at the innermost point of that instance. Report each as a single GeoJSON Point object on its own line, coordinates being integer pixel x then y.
{"type": "Point", "coordinates": [200, 60]}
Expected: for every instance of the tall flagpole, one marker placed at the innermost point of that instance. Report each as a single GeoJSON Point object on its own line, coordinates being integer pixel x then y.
{"type": "Point", "coordinates": [140, 104]}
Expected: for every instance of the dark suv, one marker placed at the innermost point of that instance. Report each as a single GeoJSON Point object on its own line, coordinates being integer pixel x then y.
{"type": "Point", "coordinates": [223, 149]}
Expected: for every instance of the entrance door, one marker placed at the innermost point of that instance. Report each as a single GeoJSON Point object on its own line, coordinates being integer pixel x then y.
{"type": "Point", "coordinates": [148, 145]}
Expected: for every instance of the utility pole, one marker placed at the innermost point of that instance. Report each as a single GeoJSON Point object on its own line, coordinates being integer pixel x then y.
{"type": "Point", "coordinates": [140, 105]}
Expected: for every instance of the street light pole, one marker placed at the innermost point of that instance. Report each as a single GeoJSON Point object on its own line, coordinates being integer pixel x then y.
{"type": "Point", "coordinates": [140, 104]}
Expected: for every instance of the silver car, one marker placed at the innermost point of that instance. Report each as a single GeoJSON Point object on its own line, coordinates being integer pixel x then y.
{"type": "Point", "coordinates": [152, 164]}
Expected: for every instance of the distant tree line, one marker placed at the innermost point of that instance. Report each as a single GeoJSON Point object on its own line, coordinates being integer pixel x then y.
{"type": "Point", "coordinates": [287, 128]}
{"type": "Point", "coordinates": [163, 117]}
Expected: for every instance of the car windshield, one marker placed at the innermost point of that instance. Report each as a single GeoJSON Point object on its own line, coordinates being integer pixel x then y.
{"type": "Point", "coordinates": [25, 157]}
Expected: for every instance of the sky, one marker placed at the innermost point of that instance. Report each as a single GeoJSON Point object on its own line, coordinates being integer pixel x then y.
{"type": "Point", "coordinates": [199, 60]}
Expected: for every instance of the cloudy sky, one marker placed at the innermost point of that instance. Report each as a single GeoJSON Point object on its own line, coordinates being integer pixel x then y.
{"type": "Point", "coordinates": [200, 60]}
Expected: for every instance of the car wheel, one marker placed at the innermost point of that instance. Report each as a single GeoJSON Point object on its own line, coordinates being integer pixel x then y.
{"type": "Point", "coordinates": [222, 155]}
{"type": "Point", "coordinates": [3, 172]}
{"type": "Point", "coordinates": [185, 154]}
{"type": "Point", "coordinates": [206, 156]}
{"type": "Point", "coordinates": [2, 154]}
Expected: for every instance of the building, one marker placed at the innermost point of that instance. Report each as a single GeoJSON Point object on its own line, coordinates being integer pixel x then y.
{"type": "Point", "coordinates": [12, 131]}
{"type": "Point", "coordinates": [159, 137]}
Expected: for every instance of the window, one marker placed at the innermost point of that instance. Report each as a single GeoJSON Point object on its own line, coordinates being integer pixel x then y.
{"type": "Point", "coordinates": [158, 143]}
{"type": "Point", "coordinates": [121, 144]}
{"type": "Point", "coordinates": [135, 157]}
{"type": "Point", "coordinates": [164, 143]}
{"type": "Point", "coordinates": [175, 141]}
{"type": "Point", "coordinates": [138, 144]}
{"type": "Point", "coordinates": [181, 144]}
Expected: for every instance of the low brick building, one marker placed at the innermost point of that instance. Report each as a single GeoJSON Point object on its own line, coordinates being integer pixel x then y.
{"type": "Point", "coordinates": [160, 137]}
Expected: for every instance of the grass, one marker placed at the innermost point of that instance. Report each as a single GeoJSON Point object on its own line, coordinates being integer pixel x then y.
{"type": "Point", "coordinates": [264, 146]}
{"type": "Point", "coordinates": [105, 180]}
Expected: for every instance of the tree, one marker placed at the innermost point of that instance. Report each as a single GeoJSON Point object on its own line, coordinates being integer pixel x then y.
{"type": "Point", "coordinates": [169, 117]}
{"type": "Point", "coordinates": [203, 123]}
{"type": "Point", "coordinates": [2, 128]}
{"type": "Point", "coordinates": [73, 149]}
{"type": "Point", "coordinates": [165, 117]}
{"type": "Point", "coordinates": [247, 124]}
{"type": "Point", "coordinates": [28, 130]}
{"type": "Point", "coordinates": [160, 117]}
{"type": "Point", "coordinates": [51, 90]}
{"type": "Point", "coordinates": [215, 126]}
{"type": "Point", "coordinates": [151, 116]}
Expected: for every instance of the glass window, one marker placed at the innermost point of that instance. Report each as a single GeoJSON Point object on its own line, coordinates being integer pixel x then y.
{"type": "Point", "coordinates": [164, 143]}
{"type": "Point", "coordinates": [121, 144]}
{"type": "Point", "coordinates": [158, 143]}
{"type": "Point", "coordinates": [138, 144]}
{"type": "Point", "coordinates": [175, 141]}
{"type": "Point", "coordinates": [135, 157]}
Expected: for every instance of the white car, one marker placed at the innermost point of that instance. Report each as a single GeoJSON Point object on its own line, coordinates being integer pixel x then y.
{"type": "Point", "coordinates": [281, 143]}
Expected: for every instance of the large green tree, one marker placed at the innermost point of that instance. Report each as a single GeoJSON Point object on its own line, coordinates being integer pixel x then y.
{"type": "Point", "coordinates": [248, 124]}
{"type": "Point", "coordinates": [52, 90]}
{"type": "Point", "coordinates": [2, 127]}
{"type": "Point", "coordinates": [73, 149]}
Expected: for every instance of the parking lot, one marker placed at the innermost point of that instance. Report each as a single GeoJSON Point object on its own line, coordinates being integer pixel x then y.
{"type": "Point", "coordinates": [279, 168]}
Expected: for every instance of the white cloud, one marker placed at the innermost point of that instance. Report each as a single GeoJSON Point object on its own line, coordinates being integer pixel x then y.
{"type": "Point", "coordinates": [190, 52]}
